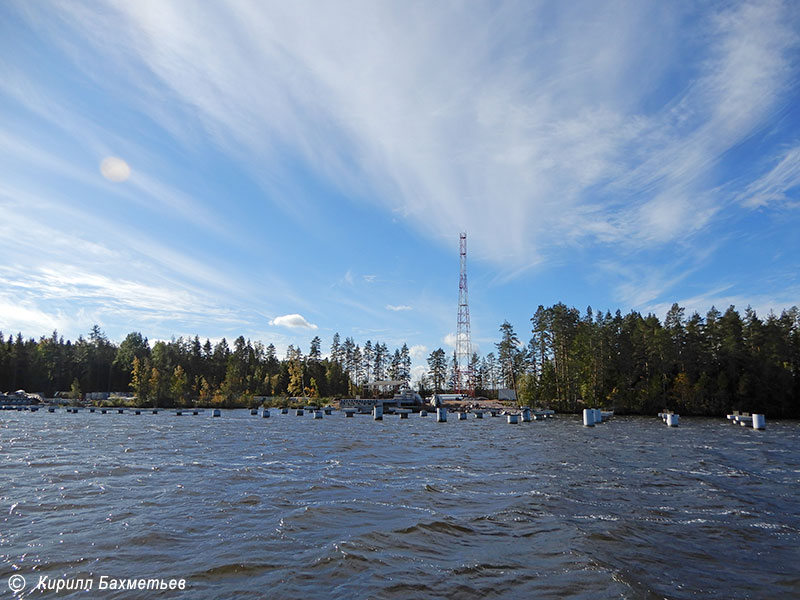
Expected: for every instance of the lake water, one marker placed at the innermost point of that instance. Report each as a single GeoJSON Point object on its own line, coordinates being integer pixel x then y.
{"type": "Point", "coordinates": [292, 507]}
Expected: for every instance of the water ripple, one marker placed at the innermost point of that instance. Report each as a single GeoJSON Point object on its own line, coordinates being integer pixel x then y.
{"type": "Point", "coordinates": [293, 507]}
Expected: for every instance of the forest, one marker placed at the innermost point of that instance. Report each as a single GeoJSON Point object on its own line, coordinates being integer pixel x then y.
{"type": "Point", "coordinates": [635, 364]}
{"type": "Point", "coordinates": [695, 365]}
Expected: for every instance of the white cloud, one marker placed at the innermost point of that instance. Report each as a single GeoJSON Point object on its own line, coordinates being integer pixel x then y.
{"type": "Point", "coordinates": [542, 128]}
{"type": "Point", "coordinates": [538, 132]}
{"type": "Point", "coordinates": [16, 316]}
{"type": "Point", "coordinates": [72, 299]}
{"type": "Point", "coordinates": [451, 338]}
{"type": "Point", "coordinates": [417, 372]}
{"type": "Point", "coordinates": [721, 297]}
{"type": "Point", "coordinates": [418, 352]}
{"type": "Point", "coordinates": [293, 321]}
{"type": "Point", "coordinates": [398, 308]}
{"type": "Point", "coordinates": [774, 186]}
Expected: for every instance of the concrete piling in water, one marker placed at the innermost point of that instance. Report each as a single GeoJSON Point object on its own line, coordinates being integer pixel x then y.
{"type": "Point", "coordinates": [403, 415]}
{"type": "Point", "coordinates": [136, 412]}
{"type": "Point", "coordinates": [91, 409]}
{"type": "Point", "coordinates": [588, 417]}
{"type": "Point", "coordinates": [120, 410]}
{"type": "Point", "coordinates": [478, 414]}
{"type": "Point", "coordinates": [317, 414]}
{"type": "Point", "coordinates": [155, 411]}
{"type": "Point", "coordinates": [299, 412]}
{"type": "Point", "coordinates": [103, 411]}
{"type": "Point", "coordinates": [670, 418]}
{"type": "Point", "coordinates": [377, 412]}
{"type": "Point", "coordinates": [328, 410]}
{"type": "Point", "coordinates": [214, 413]}
{"type": "Point", "coordinates": [423, 413]}
{"type": "Point", "coordinates": [493, 413]}
{"type": "Point", "coordinates": [51, 409]}
{"type": "Point", "coordinates": [462, 416]}
{"type": "Point", "coordinates": [265, 413]}
{"type": "Point", "coordinates": [526, 415]}
{"type": "Point", "coordinates": [513, 419]}
{"type": "Point", "coordinates": [746, 419]}
{"type": "Point", "coordinates": [253, 411]}
{"type": "Point", "coordinates": [178, 413]}
{"type": "Point", "coordinates": [441, 415]}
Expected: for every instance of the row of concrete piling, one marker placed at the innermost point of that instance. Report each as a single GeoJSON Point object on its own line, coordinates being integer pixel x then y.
{"type": "Point", "coordinates": [758, 421]}
{"type": "Point", "coordinates": [595, 416]}
{"type": "Point", "coordinates": [591, 416]}
{"type": "Point", "coordinates": [524, 415]}
{"type": "Point", "coordinates": [215, 412]}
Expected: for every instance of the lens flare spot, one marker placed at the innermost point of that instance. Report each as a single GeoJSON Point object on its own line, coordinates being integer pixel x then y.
{"type": "Point", "coordinates": [115, 169]}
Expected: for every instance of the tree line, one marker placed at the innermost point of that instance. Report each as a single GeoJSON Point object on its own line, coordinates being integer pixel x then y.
{"type": "Point", "coordinates": [636, 364]}
{"type": "Point", "coordinates": [632, 363]}
{"type": "Point", "coordinates": [183, 371]}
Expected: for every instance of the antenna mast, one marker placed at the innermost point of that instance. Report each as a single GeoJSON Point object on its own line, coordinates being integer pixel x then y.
{"type": "Point", "coordinates": [464, 378]}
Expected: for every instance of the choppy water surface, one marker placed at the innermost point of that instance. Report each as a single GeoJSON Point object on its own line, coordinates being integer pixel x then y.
{"type": "Point", "coordinates": [292, 507]}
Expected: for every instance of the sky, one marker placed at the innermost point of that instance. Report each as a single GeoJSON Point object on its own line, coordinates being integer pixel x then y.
{"type": "Point", "coordinates": [282, 170]}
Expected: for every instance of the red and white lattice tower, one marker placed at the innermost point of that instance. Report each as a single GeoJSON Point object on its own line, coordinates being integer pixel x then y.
{"type": "Point", "coordinates": [464, 379]}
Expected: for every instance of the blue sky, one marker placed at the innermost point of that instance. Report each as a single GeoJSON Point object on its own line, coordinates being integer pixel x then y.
{"type": "Point", "coordinates": [319, 159]}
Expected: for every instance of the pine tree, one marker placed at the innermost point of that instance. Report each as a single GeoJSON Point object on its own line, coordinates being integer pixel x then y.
{"type": "Point", "coordinates": [405, 364]}
{"type": "Point", "coordinates": [437, 369]}
{"type": "Point", "coordinates": [315, 353]}
{"type": "Point", "coordinates": [336, 349]}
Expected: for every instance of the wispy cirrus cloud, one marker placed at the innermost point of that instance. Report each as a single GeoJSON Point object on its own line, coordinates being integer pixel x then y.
{"type": "Point", "coordinates": [552, 142]}
{"type": "Point", "coordinates": [99, 296]}
{"type": "Point", "coordinates": [723, 296]}
{"type": "Point", "coordinates": [398, 307]}
{"type": "Point", "coordinates": [779, 186]}
{"type": "Point", "coordinates": [25, 317]}
{"type": "Point", "coordinates": [562, 140]}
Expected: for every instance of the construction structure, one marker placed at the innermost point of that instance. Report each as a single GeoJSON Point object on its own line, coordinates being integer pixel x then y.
{"type": "Point", "coordinates": [463, 367]}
